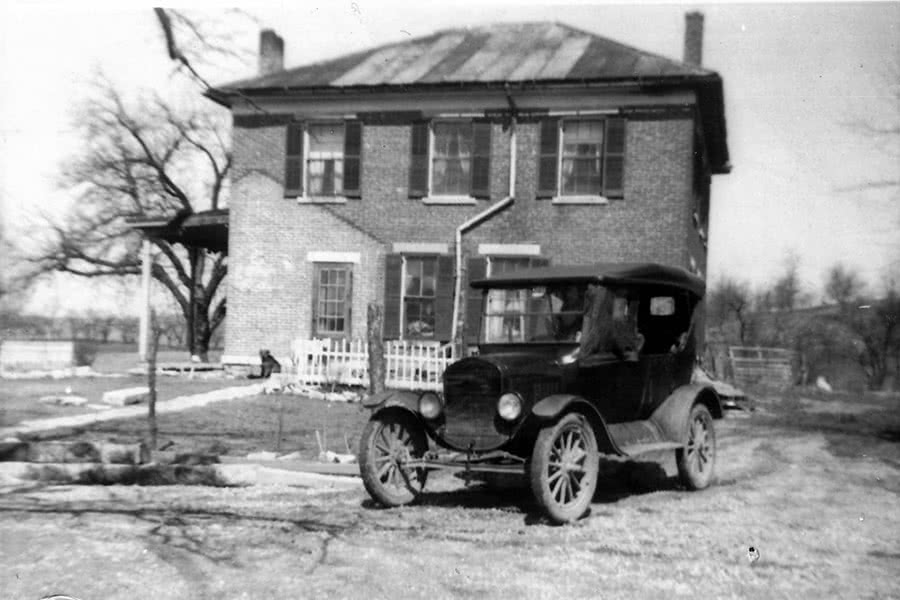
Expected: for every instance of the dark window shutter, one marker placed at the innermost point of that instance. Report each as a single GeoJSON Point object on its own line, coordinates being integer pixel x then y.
{"type": "Point", "coordinates": [477, 269]}
{"type": "Point", "coordinates": [614, 159]}
{"type": "Point", "coordinates": [443, 303]}
{"type": "Point", "coordinates": [481, 160]}
{"type": "Point", "coordinates": [352, 158]}
{"type": "Point", "coordinates": [293, 163]}
{"type": "Point", "coordinates": [418, 165]}
{"type": "Point", "coordinates": [548, 160]}
{"type": "Point", "coordinates": [393, 285]}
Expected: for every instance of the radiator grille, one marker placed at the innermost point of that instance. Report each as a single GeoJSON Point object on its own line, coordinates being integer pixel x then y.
{"type": "Point", "coordinates": [471, 393]}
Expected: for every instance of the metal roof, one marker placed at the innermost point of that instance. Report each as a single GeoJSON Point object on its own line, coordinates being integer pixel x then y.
{"type": "Point", "coordinates": [522, 54]}
{"type": "Point", "coordinates": [603, 273]}
{"type": "Point", "coordinates": [505, 52]}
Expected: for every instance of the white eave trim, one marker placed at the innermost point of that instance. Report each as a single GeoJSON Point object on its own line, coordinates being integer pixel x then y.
{"type": "Point", "coordinates": [509, 249]}
{"type": "Point", "coordinates": [327, 256]}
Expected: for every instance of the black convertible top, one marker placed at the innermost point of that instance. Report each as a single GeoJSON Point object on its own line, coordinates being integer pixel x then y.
{"type": "Point", "coordinates": [602, 273]}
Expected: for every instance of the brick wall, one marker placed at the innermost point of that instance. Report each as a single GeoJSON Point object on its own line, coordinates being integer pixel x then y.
{"type": "Point", "coordinates": [271, 235]}
{"type": "Point", "coordinates": [270, 279]}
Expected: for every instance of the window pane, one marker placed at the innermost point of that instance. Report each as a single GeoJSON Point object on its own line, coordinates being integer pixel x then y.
{"type": "Point", "coordinates": [413, 285]}
{"type": "Point", "coordinates": [419, 318]}
{"type": "Point", "coordinates": [326, 140]}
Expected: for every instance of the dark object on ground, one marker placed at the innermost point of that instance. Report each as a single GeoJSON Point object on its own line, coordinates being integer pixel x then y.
{"type": "Point", "coordinates": [269, 365]}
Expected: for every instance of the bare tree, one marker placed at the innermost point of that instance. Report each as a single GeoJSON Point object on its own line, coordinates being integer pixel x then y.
{"type": "Point", "coordinates": [842, 286]}
{"type": "Point", "coordinates": [144, 160]}
{"type": "Point", "coordinates": [730, 300]}
{"type": "Point", "coordinates": [872, 325]}
{"type": "Point", "coordinates": [194, 43]}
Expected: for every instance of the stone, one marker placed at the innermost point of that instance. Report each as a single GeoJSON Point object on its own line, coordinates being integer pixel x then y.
{"type": "Point", "coordinates": [822, 384]}
{"type": "Point", "coordinates": [126, 396]}
{"type": "Point", "coordinates": [262, 456]}
{"type": "Point", "coordinates": [63, 399]}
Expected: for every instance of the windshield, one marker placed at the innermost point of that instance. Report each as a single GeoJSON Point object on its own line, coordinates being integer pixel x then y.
{"type": "Point", "coordinates": [533, 314]}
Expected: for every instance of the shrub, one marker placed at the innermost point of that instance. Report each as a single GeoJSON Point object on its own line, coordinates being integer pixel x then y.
{"type": "Point", "coordinates": [85, 353]}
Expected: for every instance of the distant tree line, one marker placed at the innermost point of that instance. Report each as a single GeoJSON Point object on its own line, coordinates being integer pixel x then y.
{"type": "Point", "coordinates": [854, 329]}
{"type": "Point", "coordinates": [94, 328]}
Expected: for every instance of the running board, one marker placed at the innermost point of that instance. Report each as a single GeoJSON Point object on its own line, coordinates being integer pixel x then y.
{"type": "Point", "coordinates": [640, 437]}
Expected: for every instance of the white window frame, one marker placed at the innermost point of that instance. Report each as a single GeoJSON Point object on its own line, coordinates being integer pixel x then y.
{"type": "Point", "coordinates": [308, 198]}
{"type": "Point", "coordinates": [561, 198]}
{"type": "Point", "coordinates": [433, 198]}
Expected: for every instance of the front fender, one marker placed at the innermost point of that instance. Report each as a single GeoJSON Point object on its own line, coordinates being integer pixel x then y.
{"type": "Point", "coordinates": [402, 398]}
{"type": "Point", "coordinates": [672, 415]}
{"type": "Point", "coordinates": [553, 407]}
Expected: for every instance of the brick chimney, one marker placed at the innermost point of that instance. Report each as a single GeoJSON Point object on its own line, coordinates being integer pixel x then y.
{"type": "Point", "coordinates": [271, 52]}
{"type": "Point", "coordinates": [693, 38]}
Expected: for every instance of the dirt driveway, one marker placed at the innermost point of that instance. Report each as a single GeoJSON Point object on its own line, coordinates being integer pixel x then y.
{"type": "Point", "coordinates": [814, 491]}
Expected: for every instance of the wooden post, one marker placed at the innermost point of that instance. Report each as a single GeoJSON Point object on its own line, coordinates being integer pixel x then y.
{"type": "Point", "coordinates": [144, 317]}
{"type": "Point", "coordinates": [151, 379]}
{"type": "Point", "coordinates": [375, 321]}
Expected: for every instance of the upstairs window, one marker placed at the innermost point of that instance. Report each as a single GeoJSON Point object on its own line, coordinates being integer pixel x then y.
{"type": "Point", "coordinates": [323, 160]}
{"type": "Point", "coordinates": [581, 159]}
{"type": "Point", "coordinates": [450, 160]}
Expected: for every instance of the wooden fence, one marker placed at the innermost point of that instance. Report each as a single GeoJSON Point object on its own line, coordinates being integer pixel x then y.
{"type": "Point", "coordinates": [408, 365]}
{"type": "Point", "coordinates": [770, 366]}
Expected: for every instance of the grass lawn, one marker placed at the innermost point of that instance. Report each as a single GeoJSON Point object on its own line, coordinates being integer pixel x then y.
{"type": "Point", "coordinates": [19, 397]}
{"type": "Point", "coordinates": [237, 427]}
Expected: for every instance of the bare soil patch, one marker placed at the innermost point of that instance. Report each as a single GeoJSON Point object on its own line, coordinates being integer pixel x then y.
{"type": "Point", "coordinates": [822, 514]}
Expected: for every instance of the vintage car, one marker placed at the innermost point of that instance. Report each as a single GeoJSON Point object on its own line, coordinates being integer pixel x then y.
{"type": "Point", "coordinates": [573, 363]}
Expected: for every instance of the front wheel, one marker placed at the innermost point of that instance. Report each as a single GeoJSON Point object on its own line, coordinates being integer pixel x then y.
{"type": "Point", "coordinates": [697, 459]}
{"type": "Point", "coordinates": [563, 471]}
{"type": "Point", "coordinates": [389, 441]}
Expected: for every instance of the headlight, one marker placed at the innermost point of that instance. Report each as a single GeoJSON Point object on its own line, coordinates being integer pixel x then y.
{"type": "Point", "coordinates": [509, 406]}
{"type": "Point", "coordinates": [430, 405]}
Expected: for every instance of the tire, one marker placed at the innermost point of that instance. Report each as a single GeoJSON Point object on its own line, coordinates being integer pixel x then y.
{"type": "Point", "coordinates": [563, 468]}
{"type": "Point", "coordinates": [697, 460]}
{"type": "Point", "coordinates": [388, 440]}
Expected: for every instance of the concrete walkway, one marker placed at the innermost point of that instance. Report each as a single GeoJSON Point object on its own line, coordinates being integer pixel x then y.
{"type": "Point", "coordinates": [128, 412]}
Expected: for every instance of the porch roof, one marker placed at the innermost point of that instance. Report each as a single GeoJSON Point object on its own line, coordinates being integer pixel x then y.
{"type": "Point", "coordinates": [206, 229]}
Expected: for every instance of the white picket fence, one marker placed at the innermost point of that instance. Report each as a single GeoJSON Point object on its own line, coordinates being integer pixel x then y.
{"type": "Point", "coordinates": [408, 365]}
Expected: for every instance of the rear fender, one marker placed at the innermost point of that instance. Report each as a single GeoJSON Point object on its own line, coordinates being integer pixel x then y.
{"type": "Point", "coordinates": [393, 398]}
{"type": "Point", "coordinates": [553, 407]}
{"type": "Point", "coordinates": [672, 415]}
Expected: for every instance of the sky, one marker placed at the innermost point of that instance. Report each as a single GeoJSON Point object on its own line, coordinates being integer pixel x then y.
{"type": "Point", "coordinates": [796, 77]}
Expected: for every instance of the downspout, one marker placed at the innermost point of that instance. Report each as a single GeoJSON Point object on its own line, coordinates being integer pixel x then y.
{"type": "Point", "coordinates": [480, 218]}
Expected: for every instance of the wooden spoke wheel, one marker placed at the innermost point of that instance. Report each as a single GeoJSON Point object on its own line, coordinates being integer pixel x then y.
{"type": "Point", "coordinates": [697, 460]}
{"type": "Point", "coordinates": [389, 441]}
{"type": "Point", "coordinates": [563, 470]}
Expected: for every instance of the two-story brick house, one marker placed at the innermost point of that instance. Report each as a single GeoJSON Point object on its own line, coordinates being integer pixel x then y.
{"type": "Point", "coordinates": [398, 174]}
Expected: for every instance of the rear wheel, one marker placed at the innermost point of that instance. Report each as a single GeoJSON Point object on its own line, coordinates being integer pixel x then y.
{"type": "Point", "coordinates": [563, 469]}
{"type": "Point", "coordinates": [389, 441]}
{"type": "Point", "coordinates": [697, 460]}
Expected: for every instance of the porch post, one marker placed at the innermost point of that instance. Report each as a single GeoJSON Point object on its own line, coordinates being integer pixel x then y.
{"type": "Point", "coordinates": [144, 317]}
